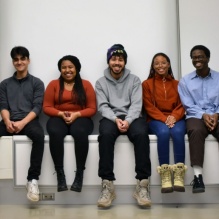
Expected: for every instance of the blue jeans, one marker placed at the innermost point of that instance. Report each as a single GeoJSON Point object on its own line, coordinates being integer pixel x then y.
{"type": "Point", "coordinates": [163, 133]}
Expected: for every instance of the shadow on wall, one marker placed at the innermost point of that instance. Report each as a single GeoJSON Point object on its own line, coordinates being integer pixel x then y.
{"type": "Point", "coordinates": [43, 120]}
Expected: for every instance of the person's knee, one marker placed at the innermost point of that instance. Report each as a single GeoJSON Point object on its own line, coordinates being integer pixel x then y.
{"type": "Point", "coordinates": [140, 133]}
{"type": "Point", "coordinates": [79, 133]}
{"type": "Point", "coordinates": [106, 134]}
{"type": "Point", "coordinates": [196, 131]}
{"type": "Point", "coordinates": [178, 132]}
{"type": "Point", "coordinates": [55, 131]}
{"type": "Point", "coordinates": [38, 136]}
{"type": "Point", "coordinates": [163, 132]}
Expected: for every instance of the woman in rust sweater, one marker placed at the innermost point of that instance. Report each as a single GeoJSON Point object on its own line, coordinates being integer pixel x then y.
{"type": "Point", "coordinates": [165, 116]}
{"type": "Point", "coordinates": [70, 102]}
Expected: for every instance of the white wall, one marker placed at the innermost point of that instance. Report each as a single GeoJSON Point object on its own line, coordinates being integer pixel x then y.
{"type": "Point", "coordinates": [198, 25]}
{"type": "Point", "coordinates": [51, 29]}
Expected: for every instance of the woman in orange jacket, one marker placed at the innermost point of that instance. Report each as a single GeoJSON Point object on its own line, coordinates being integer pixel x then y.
{"type": "Point", "coordinates": [70, 102]}
{"type": "Point", "coordinates": [165, 116]}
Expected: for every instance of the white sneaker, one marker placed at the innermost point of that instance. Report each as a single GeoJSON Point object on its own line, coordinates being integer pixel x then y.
{"type": "Point", "coordinates": [32, 190]}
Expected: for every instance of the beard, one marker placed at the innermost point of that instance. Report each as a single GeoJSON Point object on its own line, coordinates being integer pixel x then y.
{"type": "Point", "coordinates": [116, 69]}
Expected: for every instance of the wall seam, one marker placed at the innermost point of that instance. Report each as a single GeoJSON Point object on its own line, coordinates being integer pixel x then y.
{"type": "Point", "coordinates": [178, 38]}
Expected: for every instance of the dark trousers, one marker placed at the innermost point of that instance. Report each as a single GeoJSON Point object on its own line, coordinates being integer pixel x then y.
{"type": "Point", "coordinates": [35, 132]}
{"type": "Point", "coordinates": [197, 132]}
{"type": "Point", "coordinates": [137, 134]}
{"type": "Point", "coordinates": [79, 130]}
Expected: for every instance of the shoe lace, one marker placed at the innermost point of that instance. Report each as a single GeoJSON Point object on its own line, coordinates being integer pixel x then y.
{"type": "Point", "coordinates": [144, 192]}
{"type": "Point", "coordinates": [178, 172]}
{"type": "Point", "coordinates": [61, 177]}
{"type": "Point", "coordinates": [166, 176]}
{"type": "Point", "coordinates": [196, 181]}
{"type": "Point", "coordinates": [78, 177]}
{"type": "Point", "coordinates": [192, 183]}
{"type": "Point", "coordinates": [105, 192]}
{"type": "Point", "coordinates": [33, 188]}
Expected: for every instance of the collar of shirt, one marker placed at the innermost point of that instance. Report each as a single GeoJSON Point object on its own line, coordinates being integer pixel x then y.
{"type": "Point", "coordinates": [197, 76]}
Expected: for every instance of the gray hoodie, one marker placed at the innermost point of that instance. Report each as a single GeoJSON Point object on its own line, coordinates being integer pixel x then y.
{"type": "Point", "coordinates": [119, 97]}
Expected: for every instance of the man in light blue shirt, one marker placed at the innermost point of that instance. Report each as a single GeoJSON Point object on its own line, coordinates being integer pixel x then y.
{"type": "Point", "coordinates": [199, 93]}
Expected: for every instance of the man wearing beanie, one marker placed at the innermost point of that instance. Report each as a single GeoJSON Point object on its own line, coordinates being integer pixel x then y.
{"type": "Point", "coordinates": [119, 98]}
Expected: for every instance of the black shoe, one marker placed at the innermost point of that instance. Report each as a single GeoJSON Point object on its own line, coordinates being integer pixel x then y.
{"type": "Point", "coordinates": [198, 184]}
{"type": "Point", "coordinates": [62, 186]}
{"type": "Point", "coordinates": [78, 181]}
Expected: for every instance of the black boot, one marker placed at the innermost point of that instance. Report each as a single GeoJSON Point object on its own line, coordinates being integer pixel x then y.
{"type": "Point", "coordinates": [198, 184]}
{"type": "Point", "coordinates": [61, 180]}
{"type": "Point", "coordinates": [78, 181]}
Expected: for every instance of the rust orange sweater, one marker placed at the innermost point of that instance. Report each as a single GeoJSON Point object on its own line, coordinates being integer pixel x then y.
{"type": "Point", "coordinates": [161, 98]}
{"type": "Point", "coordinates": [51, 107]}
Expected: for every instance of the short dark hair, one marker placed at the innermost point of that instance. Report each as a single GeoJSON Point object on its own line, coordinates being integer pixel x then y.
{"type": "Point", "coordinates": [203, 48]}
{"type": "Point", "coordinates": [20, 50]}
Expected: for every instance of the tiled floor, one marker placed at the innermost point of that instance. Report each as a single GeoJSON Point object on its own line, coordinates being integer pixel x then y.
{"type": "Point", "coordinates": [201, 211]}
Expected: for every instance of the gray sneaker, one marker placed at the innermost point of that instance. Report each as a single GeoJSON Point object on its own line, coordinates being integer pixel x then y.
{"type": "Point", "coordinates": [32, 190]}
{"type": "Point", "coordinates": [107, 194]}
{"type": "Point", "coordinates": [141, 193]}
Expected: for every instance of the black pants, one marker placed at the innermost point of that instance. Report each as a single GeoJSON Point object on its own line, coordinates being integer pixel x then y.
{"type": "Point", "coordinates": [197, 132]}
{"type": "Point", "coordinates": [35, 132]}
{"type": "Point", "coordinates": [79, 130]}
{"type": "Point", "coordinates": [137, 134]}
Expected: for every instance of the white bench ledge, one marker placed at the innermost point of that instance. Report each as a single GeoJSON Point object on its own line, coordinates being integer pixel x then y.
{"type": "Point", "coordinates": [93, 138]}
{"type": "Point", "coordinates": [124, 162]}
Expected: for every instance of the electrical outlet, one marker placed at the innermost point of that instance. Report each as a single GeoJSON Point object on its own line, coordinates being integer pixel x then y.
{"type": "Point", "coordinates": [48, 196]}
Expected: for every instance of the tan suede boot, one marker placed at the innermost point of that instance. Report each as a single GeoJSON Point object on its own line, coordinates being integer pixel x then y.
{"type": "Point", "coordinates": [142, 193]}
{"type": "Point", "coordinates": [166, 181]}
{"type": "Point", "coordinates": [107, 194]}
{"type": "Point", "coordinates": [179, 170]}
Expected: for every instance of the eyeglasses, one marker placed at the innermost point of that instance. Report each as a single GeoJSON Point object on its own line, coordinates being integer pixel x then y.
{"type": "Point", "coordinates": [198, 58]}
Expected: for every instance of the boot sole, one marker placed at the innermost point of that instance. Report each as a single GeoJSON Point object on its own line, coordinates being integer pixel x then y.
{"type": "Point", "coordinates": [142, 204]}
{"type": "Point", "coordinates": [32, 199]}
{"type": "Point", "coordinates": [179, 189]}
{"type": "Point", "coordinates": [62, 190]}
{"type": "Point", "coordinates": [75, 190]}
{"type": "Point", "coordinates": [106, 205]}
{"type": "Point", "coordinates": [167, 190]}
{"type": "Point", "coordinates": [199, 190]}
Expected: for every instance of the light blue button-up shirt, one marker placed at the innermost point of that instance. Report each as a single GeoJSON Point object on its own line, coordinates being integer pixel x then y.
{"type": "Point", "coordinates": [199, 95]}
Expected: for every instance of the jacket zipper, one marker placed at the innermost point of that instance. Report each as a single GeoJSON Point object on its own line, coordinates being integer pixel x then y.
{"type": "Point", "coordinates": [164, 86]}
